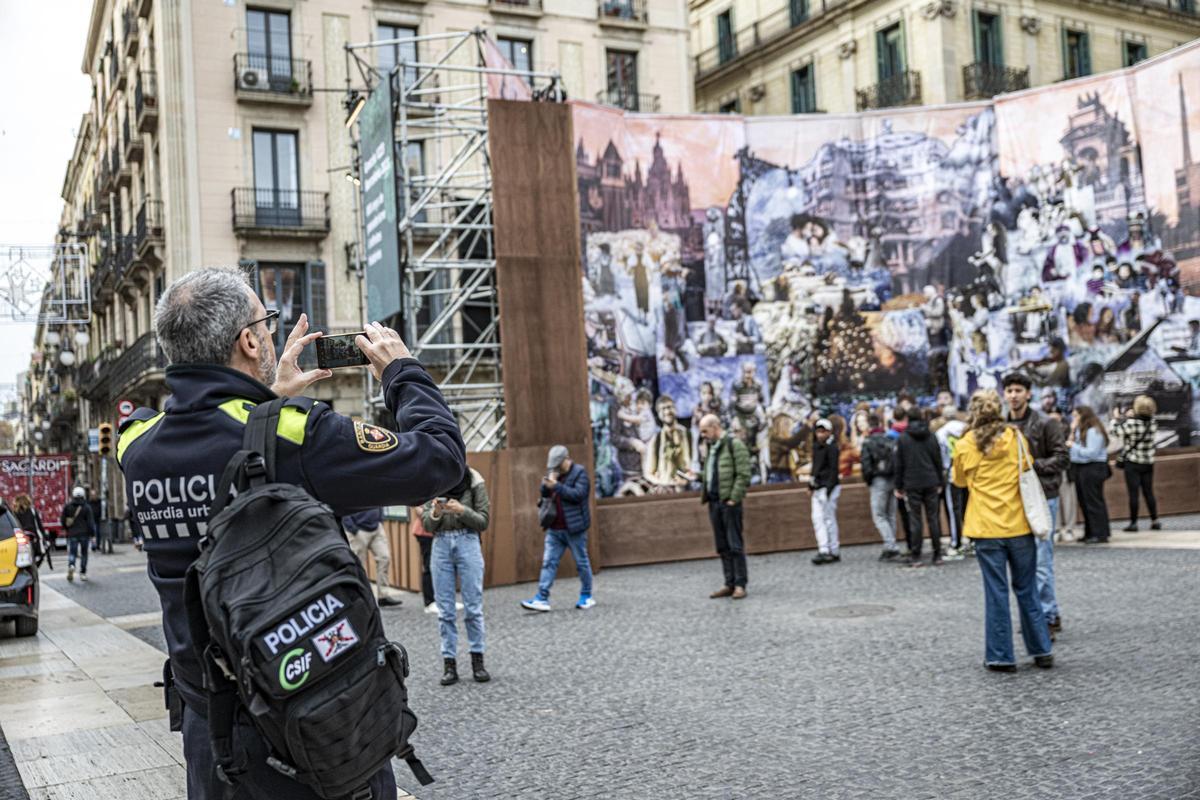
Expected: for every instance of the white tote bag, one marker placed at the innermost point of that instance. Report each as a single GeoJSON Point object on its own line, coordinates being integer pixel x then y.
{"type": "Point", "coordinates": [1037, 510]}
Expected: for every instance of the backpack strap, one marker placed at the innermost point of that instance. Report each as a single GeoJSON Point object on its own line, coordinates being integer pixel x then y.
{"type": "Point", "coordinates": [261, 433]}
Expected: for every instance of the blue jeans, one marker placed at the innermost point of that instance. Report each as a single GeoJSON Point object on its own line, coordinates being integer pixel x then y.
{"type": "Point", "coordinates": [557, 541]}
{"type": "Point", "coordinates": [457, 554]}
{"type": "Point", "coordinates": [997, 557]}
{"type": "Point", "coordinates": [77, 546]}
{"type": "Point", "coordinates": [1045, 566]}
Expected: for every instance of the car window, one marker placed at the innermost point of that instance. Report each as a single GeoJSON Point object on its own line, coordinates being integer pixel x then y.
{"type": "Point", "coordinates": [8, 524]}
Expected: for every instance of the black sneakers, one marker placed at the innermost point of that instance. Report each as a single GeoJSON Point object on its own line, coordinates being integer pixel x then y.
{"type": "Point", "coordinates": [1044, 662]}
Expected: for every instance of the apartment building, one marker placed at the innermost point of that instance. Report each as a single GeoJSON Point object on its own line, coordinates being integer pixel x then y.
{"type": "Point", "coordinates": [806, 56]}
{"type": "Point", "coordinates": [216, 136]}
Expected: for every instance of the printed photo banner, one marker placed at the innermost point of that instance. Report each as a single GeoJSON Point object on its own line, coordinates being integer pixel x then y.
{"type": "Point", "coordinates": [766, 269]}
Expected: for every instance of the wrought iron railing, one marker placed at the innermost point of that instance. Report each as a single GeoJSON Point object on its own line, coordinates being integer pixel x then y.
{"type": "Point", "coordinates": [630, 101]}
{"type": "Point", "coordinates": [521, 5]}
{"type": "Point", "coordinates": [145, 98]}
{"type": "Point", "coordinates": [272, 75]}
{"type": "Point", "coordinates": [130, 24]}
{"type": "Point", "coordinates": [131, 365]}
{"type": "Point", "coordinates": [623, 11]}
{"type": "Point", "coordinates": [763, 32]}
{"type": "Point", "coordinates": [149, 221]}
{"type": "Point", "coordinates": [278, 209]}
{"type": "Point", "coordinates": [982, 80]}
{"type": "Point", "coordinates": [901, 89]}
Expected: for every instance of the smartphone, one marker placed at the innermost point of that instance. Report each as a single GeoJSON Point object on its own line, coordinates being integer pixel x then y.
{"type": "Point", "coordinates": [340, 351]}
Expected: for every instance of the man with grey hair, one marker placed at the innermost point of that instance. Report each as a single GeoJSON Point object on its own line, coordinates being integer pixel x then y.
{"type": "Point", "coordinates": [217, 336]}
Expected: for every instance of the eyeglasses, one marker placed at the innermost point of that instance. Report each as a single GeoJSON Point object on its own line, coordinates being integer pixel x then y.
{"type": "Point", "coordinates": [272, 320]}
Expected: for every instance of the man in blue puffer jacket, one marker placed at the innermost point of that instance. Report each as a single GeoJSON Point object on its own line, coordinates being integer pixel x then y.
{"type": "Point", "coordinates": [567, 483]}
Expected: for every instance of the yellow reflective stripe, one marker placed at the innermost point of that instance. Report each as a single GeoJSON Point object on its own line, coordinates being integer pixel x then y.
{"type": "Point", "coordinates": [292, 420]}
{"type": "Point", "coordinates": [135, 429]}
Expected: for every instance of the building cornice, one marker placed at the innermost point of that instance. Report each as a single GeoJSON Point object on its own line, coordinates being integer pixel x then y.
{"type": "Point", "coordinates": [95, 27]}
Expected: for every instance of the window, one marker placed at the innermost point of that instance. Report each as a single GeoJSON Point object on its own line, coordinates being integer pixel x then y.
{"type": "Point", "coordinates": [392, 55]}
{"type": "Point", "coordinates": [733, 106]}
{"type": "Point", "coordinates": [276, 178]}
{"type": "Point", "coordinates": [622, 79]}
{"type": "Point", "coordinates": [988, 46]}
{"type": "Point", "coordinates": [519, 52]}
{"type": "Point", "coordinates": [804, 91]}
{"type": "Point", "coordinates": [1135, 52]}
{"type": "Point", "coordinates": [798, 11]}
{"type": "Point", "coordinates": [889, 51]}
{"type": "Point", "coordinates": [293, 289]}
{"type": "Point", "coordinates": [726, 44]}
{"type": "Point", "coordinates": [1077, 58]}
{"type": "Point", "coordinates": [269, 45]}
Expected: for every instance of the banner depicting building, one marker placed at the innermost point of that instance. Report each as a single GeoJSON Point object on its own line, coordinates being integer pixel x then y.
{"type": "Point", "coordinates": [764, 269]}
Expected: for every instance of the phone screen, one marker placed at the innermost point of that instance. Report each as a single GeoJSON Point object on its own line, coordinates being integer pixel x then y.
{"type": "Point", "coordinates": [339, 351]}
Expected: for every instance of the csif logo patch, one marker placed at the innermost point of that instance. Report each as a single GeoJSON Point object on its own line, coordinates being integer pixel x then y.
{"type": "Point", "coordinates": [295, 669]}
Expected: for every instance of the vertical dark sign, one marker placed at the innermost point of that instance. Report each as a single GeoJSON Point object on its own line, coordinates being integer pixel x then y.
{"type": "Point", "coordinates": [377, 150]}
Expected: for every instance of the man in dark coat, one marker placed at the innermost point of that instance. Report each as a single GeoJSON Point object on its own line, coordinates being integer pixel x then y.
{"type": "Point", "coordinates": [920, 481]}
{"type": "Point", "coordinates": [80, 525]}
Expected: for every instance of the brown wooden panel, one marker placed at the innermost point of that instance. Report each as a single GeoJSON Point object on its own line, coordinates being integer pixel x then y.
{"type": "Point", "coordinates": [1176, 478]}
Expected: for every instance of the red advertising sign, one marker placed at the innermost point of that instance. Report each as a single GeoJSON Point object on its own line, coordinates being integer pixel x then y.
{"type": "Point", "coordinates": [51, 483]}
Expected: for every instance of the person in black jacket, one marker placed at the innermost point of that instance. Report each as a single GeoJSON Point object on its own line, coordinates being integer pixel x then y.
{"type": "Point", "coordinates": [878, 457]}
{"type": "Point", "coordinates": [826, 489]}
{"type": "Point", "coordinates": [80, 525]}
{"type": "Point", "coordinates": [31, 522]}
{"type": "Point", "coordinates": [920, 482]}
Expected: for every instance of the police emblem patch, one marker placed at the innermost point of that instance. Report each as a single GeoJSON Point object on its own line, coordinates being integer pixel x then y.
{"type": "Point", "coordinates": [373, 439]}
{"type": "Point", "coordinates": [335, 640]}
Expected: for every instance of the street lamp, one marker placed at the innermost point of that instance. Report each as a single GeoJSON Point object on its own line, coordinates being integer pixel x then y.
{"type": "Point", "coordinates": [66, 358]}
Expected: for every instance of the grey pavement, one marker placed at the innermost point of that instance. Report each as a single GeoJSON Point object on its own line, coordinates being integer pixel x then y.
{"type": "Point", "coordinates": [796, 693]}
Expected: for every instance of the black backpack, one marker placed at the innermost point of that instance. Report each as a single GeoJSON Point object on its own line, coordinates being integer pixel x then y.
{"type": "Point", "coordinates": [289, 634]}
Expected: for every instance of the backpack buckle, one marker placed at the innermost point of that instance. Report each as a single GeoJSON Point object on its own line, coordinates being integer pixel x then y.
{"type": "Point", "coordinates": [256, 467]}
{"type": "Point", "coordinates": [362, 793]}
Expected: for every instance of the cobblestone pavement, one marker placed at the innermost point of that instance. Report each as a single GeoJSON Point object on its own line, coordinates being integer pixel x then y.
{"type": "Point", "coordinates": [659, 692]}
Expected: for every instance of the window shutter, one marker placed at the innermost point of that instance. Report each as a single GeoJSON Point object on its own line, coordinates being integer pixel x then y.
{"type": "Point", "coordinates": [317, 317]}
{"type": "Point", "coordinates": [881, 54]}
{"type": "Point", "coordinates": [1066, 55]}
{"type": "Point", "coordinates": [1085, 54]}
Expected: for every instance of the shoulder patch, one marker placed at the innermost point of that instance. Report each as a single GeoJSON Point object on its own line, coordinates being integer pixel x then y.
{"type": "Point", "coordinates": [373, 439]}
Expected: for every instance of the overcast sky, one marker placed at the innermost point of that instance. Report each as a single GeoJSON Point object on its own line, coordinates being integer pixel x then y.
{"type": "Point", "coordinates": [43, 94]}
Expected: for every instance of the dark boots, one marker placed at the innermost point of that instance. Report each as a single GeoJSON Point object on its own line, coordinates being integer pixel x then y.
{"type": "Point", "coordinates": [478, 672]}
{"type": "Point", "coordinates": [450, 675]}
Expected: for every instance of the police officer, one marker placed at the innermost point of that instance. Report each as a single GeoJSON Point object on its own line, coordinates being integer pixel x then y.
{"type": "Point", "coordinates": [217, 336]}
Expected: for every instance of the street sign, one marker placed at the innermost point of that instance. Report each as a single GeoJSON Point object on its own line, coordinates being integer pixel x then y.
{"type": "Point", "coordinates": [93, 440]}
{"type": "Point", "coordinates": [124, 409]}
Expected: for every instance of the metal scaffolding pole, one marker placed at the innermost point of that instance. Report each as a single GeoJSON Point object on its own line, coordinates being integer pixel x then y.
{"type": "Point", "coordinates": [450, 315]}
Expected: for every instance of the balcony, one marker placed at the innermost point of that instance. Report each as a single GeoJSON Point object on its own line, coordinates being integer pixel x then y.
{"type": "Point", "coordinates": [104, 278]}
{"type": "Point", "coordinates": [143, 7]}
{"type": "Point", "coordinates": [983, 81]}
{"type": "Point", "coordinates": [148, 233]}
{"type": "Point", "coordinates": [623, 13]}
{"type": "Point", "coordinates": [280, 213]}
{"type": "Point", "coordinates": [122, 172]}
{"type": "Point", "coordinates": [133, 143]}
{"type": "Point", "coordinates": [630, 101]}
{"type": "Point", "coordinates": [772, 31]}
{"type": "Point", "coordinates": [125, 371]}
{"type": "Point", "coordinates": [261, 78]}
{"type": "Point", "coordinates": [105, 179]}
{"type": "Point", "coordinates": [524, 8]}
{"type": "Point", "coordinates": [901, 89]}
{"type": "Point", "coordinates": [145, 102]}
{"type": "Point", "coordinates": [130, 24]}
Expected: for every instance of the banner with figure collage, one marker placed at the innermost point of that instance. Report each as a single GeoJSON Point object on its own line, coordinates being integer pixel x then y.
{"type": "Point", "coordinates": [766, 269]}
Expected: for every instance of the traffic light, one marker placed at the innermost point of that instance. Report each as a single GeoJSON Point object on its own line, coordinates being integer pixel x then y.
{"type": "Point", "coordinates": [106, 438]}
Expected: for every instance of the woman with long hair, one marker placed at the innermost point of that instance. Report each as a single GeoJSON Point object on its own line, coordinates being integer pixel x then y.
{"type": "Point", "coordinates": [31, 522]}
{"type": "Point", "coordinates": [1138, 432]}
{"type": "Point", "coordinates": [987, 464]}
{"type": "Point", "coordinates": [1088, 443]}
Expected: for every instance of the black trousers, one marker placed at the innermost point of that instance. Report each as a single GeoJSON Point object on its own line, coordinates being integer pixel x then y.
{"type": "Point", "coordinates": [426, 543]}
{"type": "Point", "coordinates": [1089, 488]}
{"type": "Point", "coordinates": [958, 498]}
{"type": "Point", "coordinates": [1140, 477]}
{"type": "Point", "coordinates": [727, 535]}
{"type": "Point", "coordinates": [902, 515]}
{"type": "Point", "coordinates": [928, 502]}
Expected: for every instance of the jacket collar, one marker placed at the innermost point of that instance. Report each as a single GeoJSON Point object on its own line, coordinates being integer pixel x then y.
{"type": "Point", "coordinates": [196, 387]}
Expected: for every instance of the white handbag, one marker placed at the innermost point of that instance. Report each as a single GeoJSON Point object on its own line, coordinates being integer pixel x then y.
{"type": "Point", "coordinates": [1037, 510]}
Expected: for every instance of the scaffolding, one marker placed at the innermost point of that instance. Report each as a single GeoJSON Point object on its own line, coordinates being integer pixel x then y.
{"type": "Point", "coordinates": [449, 313]}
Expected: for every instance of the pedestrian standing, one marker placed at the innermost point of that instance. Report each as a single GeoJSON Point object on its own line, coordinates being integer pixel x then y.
{"type": "Point", "coordinates": [725, 480]}
{"type": "Point", "coordinates": [986, 462]}
{"type": "Point", "coordinates": [1138, 434]}
{"type": "Point", "coordinates": [1048, 447]}
{"type": "Point", "coordinates": [896, 428]}
{"type": "Point", "coordinates": [954, 497]}
{"type": "Point", "coordinates": [80, 526]}
{"type": "Point", "coordinates": [93, 501]}
{"type": "Point", "coordinates": [457, 521]}
{"type": "Point", "coordinates": [425, 542]}
{"type": "Point", "coordinates": [31, 522]}
{"type": "Point", "coordinates": [1089, 455]}
{"type": "Point", "coordinates": [878, 453]}
{"type": "Point", "coordinates": [366, 533]}
{"type": "Point", "coordinates": [826, 488]}
{"type": "Point", "coordinates": [567, 484]}
{"type": "Point", "coordinates": [920, 481]}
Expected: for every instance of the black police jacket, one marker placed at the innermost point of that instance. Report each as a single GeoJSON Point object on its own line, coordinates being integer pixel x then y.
{"type": "Point", "coordinates": [173, 460]}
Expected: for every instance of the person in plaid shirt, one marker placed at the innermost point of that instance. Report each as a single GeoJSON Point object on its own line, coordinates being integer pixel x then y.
{"type": "Point", "coordinates": [1138, 432]}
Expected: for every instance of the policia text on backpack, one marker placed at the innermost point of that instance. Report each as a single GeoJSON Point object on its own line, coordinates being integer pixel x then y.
{"type": "Point", "coordinates": [289, 634]}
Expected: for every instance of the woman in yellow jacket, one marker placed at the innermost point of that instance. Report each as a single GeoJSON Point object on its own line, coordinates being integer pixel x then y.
{"type": "Point", "coordinates": [986, 464]}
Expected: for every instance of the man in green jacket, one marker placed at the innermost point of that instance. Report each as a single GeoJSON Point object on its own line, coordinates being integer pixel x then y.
{"type": "Point", "coordinates": [726, 478]}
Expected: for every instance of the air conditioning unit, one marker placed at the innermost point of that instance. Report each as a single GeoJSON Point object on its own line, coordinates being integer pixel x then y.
{"type": "Point", "coordinates": [254, 78]}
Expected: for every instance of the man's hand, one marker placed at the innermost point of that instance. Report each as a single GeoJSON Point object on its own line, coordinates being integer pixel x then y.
{"type": "Point", "coordinates": [730, 503]}
{"type": "Point", "coordinates": [899, 494]}
{"type": "Point", "coordinates": [455, 507]}
{"type": "Point", "coordinates": [290, 380]}
{"type": "Point", "coordinates": [382, 346]}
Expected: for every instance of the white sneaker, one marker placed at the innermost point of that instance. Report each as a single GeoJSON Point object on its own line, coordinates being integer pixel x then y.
{"type": "Point", "coordinates": [458, 606]}
{"type": "Point", "coordinates": [431, 608]}
{"type": "Point", "coordinates": [1068, 536]}
{"type": "Point", "coordinates": [83, 576]}
{"type": "Point", "coordinates": [536, 604]}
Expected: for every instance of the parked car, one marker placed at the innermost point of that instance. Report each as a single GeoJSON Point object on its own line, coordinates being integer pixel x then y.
{"type": "Point", "coordinates": [19, 592]}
